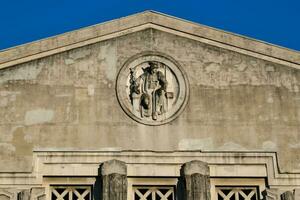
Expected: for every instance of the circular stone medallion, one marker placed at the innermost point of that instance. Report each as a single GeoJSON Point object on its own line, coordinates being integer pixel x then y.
{"type": "Point", "coordinates": [152, 89]}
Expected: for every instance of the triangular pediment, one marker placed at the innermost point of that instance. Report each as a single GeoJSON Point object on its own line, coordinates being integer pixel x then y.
{"type": "Point", "coordinates": [142, 21]}
{"type": "Point", "coordinates": [151, 82]}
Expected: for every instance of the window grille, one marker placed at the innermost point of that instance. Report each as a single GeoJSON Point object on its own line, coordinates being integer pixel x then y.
{"type": "Point", "coordinates": [71, 193]}
{"type": "Point", "coordinates": [154, 193]}
{"type": "Point", "coordinates": [237, 193]}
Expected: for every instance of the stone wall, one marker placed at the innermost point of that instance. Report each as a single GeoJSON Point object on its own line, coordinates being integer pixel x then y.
{"type": "Point", "coordinates": [68, 101]}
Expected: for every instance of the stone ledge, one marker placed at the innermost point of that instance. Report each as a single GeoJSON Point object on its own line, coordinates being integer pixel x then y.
{"type": "Point", "coordinates": [69, 40]}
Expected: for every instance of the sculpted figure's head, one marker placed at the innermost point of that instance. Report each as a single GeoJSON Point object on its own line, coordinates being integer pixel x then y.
{"type": "Point", "coordinates": [153, 67]}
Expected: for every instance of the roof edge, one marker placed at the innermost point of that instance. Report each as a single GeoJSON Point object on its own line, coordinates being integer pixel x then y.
{"type": "Point", "coordinates": [139, 19]}
{"type": "Point", "coordinates": [223, 31]}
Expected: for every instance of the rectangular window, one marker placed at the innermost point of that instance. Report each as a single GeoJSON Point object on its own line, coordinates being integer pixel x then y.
{"type": "Point", "coordinates": [71, 192]}
{"type": "Point", "coordinates": [237, 193]}
{"type": "Point", "coordinates": [154, 193]}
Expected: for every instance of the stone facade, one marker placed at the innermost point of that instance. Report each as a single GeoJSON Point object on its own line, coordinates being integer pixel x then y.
{"type": "Point", "coordinates": [61, 112]}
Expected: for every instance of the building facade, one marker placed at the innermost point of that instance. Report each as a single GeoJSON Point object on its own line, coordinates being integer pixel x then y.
{"type": "Point", "coordinates": [149, 107]}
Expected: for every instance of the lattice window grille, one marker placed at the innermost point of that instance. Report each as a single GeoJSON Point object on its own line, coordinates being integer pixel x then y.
{"type": "Point", "coordinates": [154, 193]}
{"type": "Point", "coordinates": [71, 193]}
{"type": "Point", "coordinates": [237, 193]}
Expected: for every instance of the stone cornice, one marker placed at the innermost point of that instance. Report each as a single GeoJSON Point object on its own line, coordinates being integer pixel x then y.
{"type": "Point", "coordinates": [55, 163]}
{"type": "Point", "coordinates": [141, 21]}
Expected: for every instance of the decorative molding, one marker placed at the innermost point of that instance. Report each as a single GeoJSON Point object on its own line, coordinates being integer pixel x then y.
{"type": "Point", "coordinates": [142, 21]}
{"type": "Point", "coordinates": [154, 164]}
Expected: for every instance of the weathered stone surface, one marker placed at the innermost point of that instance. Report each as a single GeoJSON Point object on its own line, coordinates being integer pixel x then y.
{"type": "Point", "coordinates": [195, 177]}
{"type": "Point", "coordinates": [237, 102]}
{"type": "Point", "coordinates": [34, 193]}
{"type": "Point", "coordinates": [288, 195]}
{"type": "Point", "coordinates": [297, 194]}
{"type": "Point", "coordinates": [271, 194]}
{"type": "Point", "coordinates": [114, 187]}
{"type": "Point", "coordinates": [113, 167]}
{"type": "Point", "coordinates": [195, 167]}
{"type": "Point", "coordinates": [37, 193]}
{"type": "Point", "coordinates": [8, 194]}
{"type": "Point", "coordinates": [114, 180]}
{"type": "Point", "coordinates": [24, 195]}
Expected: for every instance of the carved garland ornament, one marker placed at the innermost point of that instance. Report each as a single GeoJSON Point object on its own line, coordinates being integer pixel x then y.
{"type": "Point", "coordinates": [152, 89]}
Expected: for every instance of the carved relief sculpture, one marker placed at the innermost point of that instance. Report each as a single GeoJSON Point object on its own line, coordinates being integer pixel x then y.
{"type": "Point", "coordinates": [151, 89]}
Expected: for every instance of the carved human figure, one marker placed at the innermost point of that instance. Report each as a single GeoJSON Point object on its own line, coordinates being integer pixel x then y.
{"type": "Point", "coordinates": [151, 85]}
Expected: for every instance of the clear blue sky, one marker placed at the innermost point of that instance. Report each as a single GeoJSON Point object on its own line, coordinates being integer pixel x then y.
{"type": "Point", "coordinates": [273, 21]}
